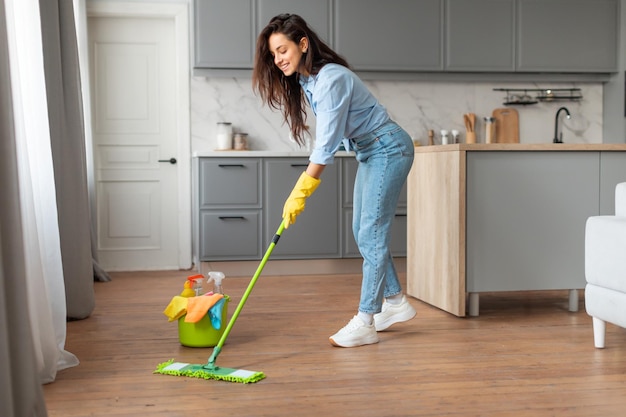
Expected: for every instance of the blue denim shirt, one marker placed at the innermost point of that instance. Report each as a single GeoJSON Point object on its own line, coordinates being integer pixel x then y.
{"type": "Point", "coordinates": [344, 109]}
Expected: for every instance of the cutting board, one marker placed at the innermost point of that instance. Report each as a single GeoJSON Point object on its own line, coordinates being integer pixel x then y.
{"type": "Point", "coordinates": [507, 125]}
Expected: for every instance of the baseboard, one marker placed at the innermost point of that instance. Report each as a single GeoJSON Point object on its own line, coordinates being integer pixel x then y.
{"type": "Point", "coordinates": [294, 267]}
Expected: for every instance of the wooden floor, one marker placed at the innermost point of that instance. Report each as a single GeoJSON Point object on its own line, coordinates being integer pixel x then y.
{"type": "Point", "coordinates": [526, 355]}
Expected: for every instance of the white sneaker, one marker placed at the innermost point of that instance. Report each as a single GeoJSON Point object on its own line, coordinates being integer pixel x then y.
{"type": "Point", "coordinates": [393, 313]}
{"type": "Point", "coordinates": [355, 333]}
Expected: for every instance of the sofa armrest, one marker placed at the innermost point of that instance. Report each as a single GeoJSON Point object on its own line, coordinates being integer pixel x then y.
{"type": "Point", "coordinates": [605, 246]}
{"type": "Point", "coordinates": [620, 199]}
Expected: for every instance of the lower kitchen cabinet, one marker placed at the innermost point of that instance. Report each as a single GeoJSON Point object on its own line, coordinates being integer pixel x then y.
{"type": "Point", "coordinates": [397, 245]}
{"type": "Point", "coordinates": [316, 231]}
{"type": "Point", "coordinates": [238, 205]}
{"type": "Point", "coordinates": [227, 218]}
{"type": "Point", "coordinates": [230, 235]}
{"type": "Point", "coordinates": [229, 183]}
{"type": "Point", "coordinates": [487, 219]}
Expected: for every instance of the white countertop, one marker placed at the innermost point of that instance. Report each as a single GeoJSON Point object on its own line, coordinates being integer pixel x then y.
{"type": "Point", "coordinates": [462, 147]}
{"type": "Point", "coordinates": [258, 154]}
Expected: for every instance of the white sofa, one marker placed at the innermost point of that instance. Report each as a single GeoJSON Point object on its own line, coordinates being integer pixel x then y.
{"type": "Point", "coordinates": [605, 268]}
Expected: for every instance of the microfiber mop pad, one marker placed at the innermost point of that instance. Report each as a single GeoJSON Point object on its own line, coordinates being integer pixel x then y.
{"type": "Point", "coordinates": [200, 371]}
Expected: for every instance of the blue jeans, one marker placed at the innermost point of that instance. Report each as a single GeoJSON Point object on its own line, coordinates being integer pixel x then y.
{"type": "Point", "coordinates": [385, 157]}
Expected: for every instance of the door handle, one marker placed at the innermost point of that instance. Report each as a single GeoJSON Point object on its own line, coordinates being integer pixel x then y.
{"type": "Point", "coordinates": [171, 160]}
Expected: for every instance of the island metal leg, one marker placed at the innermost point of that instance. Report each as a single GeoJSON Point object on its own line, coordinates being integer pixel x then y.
{"type": "Point", "coordinates": [474, 304]}
{"type": "Point", "coordinates": [573, 300]}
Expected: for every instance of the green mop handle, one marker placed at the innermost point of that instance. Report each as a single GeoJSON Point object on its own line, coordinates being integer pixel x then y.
{"type": "Point", "coordinates": [217, 349]}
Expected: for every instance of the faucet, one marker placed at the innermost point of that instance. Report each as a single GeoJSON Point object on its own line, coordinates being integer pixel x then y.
{"type": "Point", "coordinates": [559, 138]}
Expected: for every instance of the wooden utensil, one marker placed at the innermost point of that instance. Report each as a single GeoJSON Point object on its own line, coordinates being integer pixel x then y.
{"type": "Point", "coordinates": [507, 125]}
{"type": "Point", "coordinates": [431, 137]}
{"type": "Point", "coordinates": [470, 123]}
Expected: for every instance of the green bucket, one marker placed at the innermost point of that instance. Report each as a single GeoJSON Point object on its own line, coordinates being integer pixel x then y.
{"type": "Point", "coordinates": [202, 333]}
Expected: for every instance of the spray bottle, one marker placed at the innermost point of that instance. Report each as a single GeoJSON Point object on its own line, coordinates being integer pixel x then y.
{"type": "Point", "coordinates": [216, 277]}
{"type": "Point", "coordinates": [195, 283]}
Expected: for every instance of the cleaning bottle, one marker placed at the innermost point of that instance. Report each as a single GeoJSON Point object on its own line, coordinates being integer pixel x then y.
{"type": "Point", "coordinates": [216, 277]}
{"type": "Point", "coordinates": [187, 290]}
{"type": "Point", "coordinates": [196, 283]}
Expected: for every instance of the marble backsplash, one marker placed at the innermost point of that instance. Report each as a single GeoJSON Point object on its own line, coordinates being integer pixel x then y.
{"type": "Point", "coordinates": [415, 105]}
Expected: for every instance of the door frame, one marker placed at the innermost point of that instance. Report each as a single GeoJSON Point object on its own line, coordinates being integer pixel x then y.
{"type": "Point", "coordinates": [179, 13]}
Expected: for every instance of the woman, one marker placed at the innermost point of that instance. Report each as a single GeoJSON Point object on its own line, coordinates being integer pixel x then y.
{"type": "Point", "coordinates": [294, 66]}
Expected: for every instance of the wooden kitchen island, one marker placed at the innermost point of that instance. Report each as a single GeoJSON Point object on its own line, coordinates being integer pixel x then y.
{"type": "Point", "coordinates": [504, 217]}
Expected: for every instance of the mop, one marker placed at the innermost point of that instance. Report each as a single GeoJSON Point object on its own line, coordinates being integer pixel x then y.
{"type": "Point", "coordinates": [210, 370]}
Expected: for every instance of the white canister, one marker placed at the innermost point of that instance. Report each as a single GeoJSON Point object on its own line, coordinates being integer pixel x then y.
{"type": "Point", "coordinates": [490, 129]}
{"type": "Point", "coordinates": [224, 135]}
{"type": "Point", "coordinates": [444, 137]}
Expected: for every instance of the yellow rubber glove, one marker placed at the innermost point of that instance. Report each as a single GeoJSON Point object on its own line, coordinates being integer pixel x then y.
{"type": "Point", "coordinates": [305, 186]}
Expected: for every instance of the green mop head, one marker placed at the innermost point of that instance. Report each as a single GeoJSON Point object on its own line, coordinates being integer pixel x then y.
{"type": "Point", "coordinates": [205, 372]}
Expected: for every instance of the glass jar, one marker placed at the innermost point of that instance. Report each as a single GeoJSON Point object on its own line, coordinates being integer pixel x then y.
{"type": "Point", "coordinates": [240, 141]}
{"type": "Point", "coordinates": [224, 135]}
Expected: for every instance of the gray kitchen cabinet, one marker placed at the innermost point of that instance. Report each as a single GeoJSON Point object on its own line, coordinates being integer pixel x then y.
{"type": "Point", "coordinates": [539, 201]}
{"type": "Point", "coordinates": [224, 34]}
{"type": "Point", "coordinates": [238, 204]}
{"type": "Point", "coordinates": [228, 213]}
{"type": "Point", "coordinates": [567, 35]}
{"type": "Point", "coordinates": [230, 183]}
{"type": "Point", "coordinates": [398, 228]}
{"type": "Point", "coordinates": [392, 35]}
{"type": "Point", "coordinates": [315, 12]}
{"type": "Point", "coordinates": [397, 245]}
{"type": "Point", "coordinates": [316, 231]}
{"type": "Point", "coordinates": [480, 35]}
{"type": "Point", "coordinates": [504, 219]}
{"type": "Point", "coordinates": [612, 172]}
{"type": "Point", "coordinates": [230, 235]}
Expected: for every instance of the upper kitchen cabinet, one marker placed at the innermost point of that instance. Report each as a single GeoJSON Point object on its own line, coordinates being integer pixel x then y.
{"type": "Point", "coordinates": [480, 35]}
{"type": "Point", "coordinates": [226, 31]}
{"type": "Point", "coordinates": [315, 12]}
{"type": "Point", "coordinates": [567, 35]}
{"type": "Point", "coordinates": [415, 38]}
{"type": "Point", "coordinates": [223, 34]}
{"type": "Point", "coordinates": [392, 35]}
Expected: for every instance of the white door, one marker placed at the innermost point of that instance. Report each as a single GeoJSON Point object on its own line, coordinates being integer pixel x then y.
{"type": "Point", "coordinates": [134, 117]}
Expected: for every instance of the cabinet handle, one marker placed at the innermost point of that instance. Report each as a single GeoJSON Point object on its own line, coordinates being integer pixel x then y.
{"type": "Point", "coordinates": [231, 165]}
{"type": "Point", "coordinates": [401, 215]}
{"type": "Point", "coordinates": [299, 165]}
{"type": "Point", "coordinates": [231, 218]}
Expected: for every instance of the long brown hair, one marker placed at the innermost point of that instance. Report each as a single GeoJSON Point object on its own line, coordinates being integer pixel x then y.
{"type": "Point", "coordinates": [283, 92]}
